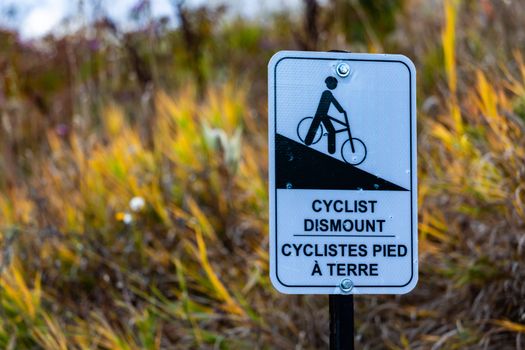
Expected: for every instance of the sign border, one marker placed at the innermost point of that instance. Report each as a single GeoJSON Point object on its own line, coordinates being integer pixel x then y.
{"type": "Point", "coordinates": [413, 194]}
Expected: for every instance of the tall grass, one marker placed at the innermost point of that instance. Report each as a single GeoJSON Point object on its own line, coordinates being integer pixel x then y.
{"type": "Point", "coordinates": [110, 240]}
{"type": "Point", "coordinates": [199, 187]}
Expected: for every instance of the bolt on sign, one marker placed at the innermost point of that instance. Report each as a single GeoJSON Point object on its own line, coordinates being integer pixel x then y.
{"type": "Point", "coordinates": [343, 174]}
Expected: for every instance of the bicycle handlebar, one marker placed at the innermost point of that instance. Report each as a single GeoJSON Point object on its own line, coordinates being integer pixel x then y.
{"type": "Point", "coordinates": [349, 132]}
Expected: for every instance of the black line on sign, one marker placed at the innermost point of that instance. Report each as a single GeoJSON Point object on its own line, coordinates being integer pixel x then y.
{"type": "Point", "coordinates": [336, 235]}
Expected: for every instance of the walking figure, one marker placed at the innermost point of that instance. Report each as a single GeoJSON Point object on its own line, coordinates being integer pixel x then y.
{"type": "Point", "coordinates": [321, 116]}
{"type": "Point", "coordinates": [310, 130]}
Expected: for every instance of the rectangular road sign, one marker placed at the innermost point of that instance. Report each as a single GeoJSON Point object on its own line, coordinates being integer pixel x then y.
{"type": "Point", "coordinates": [343, 173]}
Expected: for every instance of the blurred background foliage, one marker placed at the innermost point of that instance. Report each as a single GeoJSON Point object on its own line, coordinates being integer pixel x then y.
{"type": "Point", "coordinates": [133, 207]}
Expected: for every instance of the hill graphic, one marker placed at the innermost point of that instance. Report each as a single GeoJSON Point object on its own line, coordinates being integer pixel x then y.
{"type": "Point", "coordinates": [301, 167]}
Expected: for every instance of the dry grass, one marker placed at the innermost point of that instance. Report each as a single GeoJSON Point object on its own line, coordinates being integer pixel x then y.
{"type": "Point", "coordinates": [83, 268]}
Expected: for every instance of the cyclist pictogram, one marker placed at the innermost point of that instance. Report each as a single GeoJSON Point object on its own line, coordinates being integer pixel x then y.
{"type": "Point", "coordinates": [310, 130]}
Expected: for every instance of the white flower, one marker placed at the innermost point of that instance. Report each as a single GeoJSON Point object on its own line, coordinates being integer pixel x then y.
{"type": "Point", "coordinates": [127, 218]}
{"type": "Point", "coordinates": [137, 203]}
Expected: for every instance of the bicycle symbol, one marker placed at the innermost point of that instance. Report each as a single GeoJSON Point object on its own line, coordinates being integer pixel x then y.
{"type": "Point", "coordinates": [353, 149]}
{"type": "Point", "coordinates": [311, 129]}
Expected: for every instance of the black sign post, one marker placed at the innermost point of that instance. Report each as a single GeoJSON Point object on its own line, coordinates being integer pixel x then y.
{"type": "Point", "coordinates": [341, 322]}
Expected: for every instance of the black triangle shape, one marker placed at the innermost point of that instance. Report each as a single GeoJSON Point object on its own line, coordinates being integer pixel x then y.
{"type": "Point", "coordinates": [301, 167]}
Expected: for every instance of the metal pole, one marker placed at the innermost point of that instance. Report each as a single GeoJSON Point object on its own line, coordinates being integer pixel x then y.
{"type": "Point", "coordinates": [341, 322]}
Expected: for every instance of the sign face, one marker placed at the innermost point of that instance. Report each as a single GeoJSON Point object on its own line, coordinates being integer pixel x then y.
{"type": "Point", "coordinates": [343, 174]}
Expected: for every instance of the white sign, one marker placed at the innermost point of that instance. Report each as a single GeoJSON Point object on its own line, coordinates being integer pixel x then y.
{"type": "Point", "coordinates": [343, 173]}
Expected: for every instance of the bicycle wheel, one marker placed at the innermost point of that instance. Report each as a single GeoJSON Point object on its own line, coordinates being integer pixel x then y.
{"type": "Point", "coordinates": [304, 126]}
{"type": "Point", "coordinates": [353, 158]}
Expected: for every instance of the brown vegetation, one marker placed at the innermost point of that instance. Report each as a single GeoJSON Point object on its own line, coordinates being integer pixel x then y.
{"type": "Point", "coordinates": [133, 212]}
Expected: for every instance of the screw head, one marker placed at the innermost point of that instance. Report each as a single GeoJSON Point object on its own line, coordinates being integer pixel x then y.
{"type": "Point", "coordinates": [343, 70]}
{"type": "Point", "coordinates": [346, 285]}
